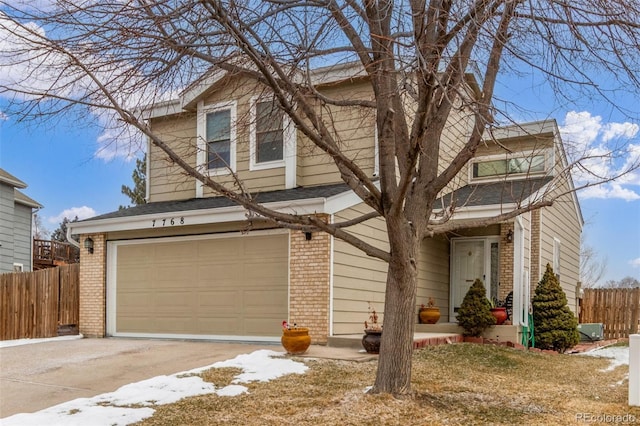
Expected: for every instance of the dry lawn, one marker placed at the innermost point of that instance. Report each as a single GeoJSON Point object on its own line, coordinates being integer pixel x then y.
{"type": "Point", "coordinates": [453, 385]}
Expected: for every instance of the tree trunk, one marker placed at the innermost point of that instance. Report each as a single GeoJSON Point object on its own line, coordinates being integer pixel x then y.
{"type": "Point", "coordinates": [396, 348]}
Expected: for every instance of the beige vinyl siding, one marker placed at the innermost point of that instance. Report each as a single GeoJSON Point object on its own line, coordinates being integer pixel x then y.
{"type": "Point", "coordinates": [530, 143]}
{"type": "Point", "coordinates": [352, 127]}
{"type": "Point", "coordinates": [562, 221]}
{"type": "Point", "coordinates": [433, 275]}
{"type": "Point", "coordinates": [357, 278]}
{"type": "Point", "coordinates": [167, 180]}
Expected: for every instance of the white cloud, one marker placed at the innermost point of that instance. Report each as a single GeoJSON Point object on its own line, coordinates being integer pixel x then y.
{"type": "Point", "coordinates": [608, 191]}
{"type": "Point", "coordinates": [619, 130]}
{"type": "Point", "coordinates": [635, 262]}
{"type": "Point", "coordinates": [603, 151]}
{"type": "Point", "coordinates": [581, 129]}
{"type": "Point", "coordinates": [83, 212]}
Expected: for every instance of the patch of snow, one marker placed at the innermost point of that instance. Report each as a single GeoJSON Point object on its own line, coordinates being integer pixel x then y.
{"type": "Point", "coordinates": [110, 408]}
{"type": "Point", "coordinates": [232, 390]}
{"type": "Point", "coordinates": [75, 413]}
{"type": "Point", "coordinates": [619, 355]}
{"type": "Point", "coordinates": [159, 390]}
{"type": "Point", "coordinates": [261, 366]}
{"type": "Point", "coordinates": [20, 342]}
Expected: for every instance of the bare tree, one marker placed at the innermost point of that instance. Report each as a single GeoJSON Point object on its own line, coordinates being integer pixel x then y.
{"type": "Point", "coordinates": [626, 282]}
{"type": "Point", "coordinates": [39, 230]}
{"type": "Point", "coordinates": [114, 58]}
{"type": "Point", "coordinates": [592, 266]}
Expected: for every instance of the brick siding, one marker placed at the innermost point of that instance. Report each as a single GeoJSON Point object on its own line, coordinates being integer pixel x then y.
{"type": "Point", "coordinates": [309, 283]}
{"type": "Point", "coordinates": [506, 261]}
{"type": "Point", "coordinates": [92, 286]}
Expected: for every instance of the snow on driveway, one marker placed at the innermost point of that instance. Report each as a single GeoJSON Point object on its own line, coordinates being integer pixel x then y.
{"type": "Point", "coordinates": [113, 408]}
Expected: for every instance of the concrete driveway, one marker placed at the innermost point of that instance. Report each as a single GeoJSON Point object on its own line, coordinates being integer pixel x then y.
{"type": "Point", "coordinates": [37, 376]}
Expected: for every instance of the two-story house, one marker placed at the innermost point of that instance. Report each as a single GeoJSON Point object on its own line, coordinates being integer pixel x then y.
{"type": "Point", "coordinates": [16, 221]}
{"type": "Point", "coordinates": [190, 264]}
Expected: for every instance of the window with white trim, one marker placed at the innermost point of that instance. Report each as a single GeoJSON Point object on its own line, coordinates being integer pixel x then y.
{"type": "Point", "coordinates": [18, 267]}
{"type": "Point", "coordinates": [270, 135]}
{"type": "Point", "coordinates": [522, 165]}
{"type": "Point", "coordinates": [217, 136]}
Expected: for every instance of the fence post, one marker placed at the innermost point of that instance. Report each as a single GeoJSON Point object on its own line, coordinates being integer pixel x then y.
{"type": "Point", "coordinates": [634, 369]}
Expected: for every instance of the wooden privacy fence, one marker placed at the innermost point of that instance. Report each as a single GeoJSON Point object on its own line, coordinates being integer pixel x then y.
{"type": "Point", "coordinates": [36, 304]}
{"type": "Point", "coordinates": [618, 309]}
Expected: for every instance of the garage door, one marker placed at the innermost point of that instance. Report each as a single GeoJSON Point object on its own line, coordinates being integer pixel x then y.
{"type": "Point", "coordinates": [230, 286]}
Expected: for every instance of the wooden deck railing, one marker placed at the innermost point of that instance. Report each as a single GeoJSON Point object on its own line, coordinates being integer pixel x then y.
{"type": "Point", "coordinates": [48, 253]}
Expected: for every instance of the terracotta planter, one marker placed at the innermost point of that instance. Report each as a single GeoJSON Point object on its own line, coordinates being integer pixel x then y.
{"type": "Point", "coordinates": [296, 342]}
{"type": "Point", "coordinates": [429, 315]}
{"type": "Point", "coordinates": [500, 315]}
{"type": "Point", "coordinates": [371, 341]}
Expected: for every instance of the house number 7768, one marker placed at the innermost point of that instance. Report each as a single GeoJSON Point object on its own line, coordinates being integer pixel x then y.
{"type": "Point", "coordinates": [167, 221]}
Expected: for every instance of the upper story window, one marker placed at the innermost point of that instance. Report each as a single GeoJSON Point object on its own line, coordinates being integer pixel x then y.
{"type": "Point", "coordinates": [522, 165]}
{"type": "Point", "coordinates": [217, 136]}
{"type": "Point", "coordinates": [270, 134]}
{"type": "Point", "coordinates": [269, 137]}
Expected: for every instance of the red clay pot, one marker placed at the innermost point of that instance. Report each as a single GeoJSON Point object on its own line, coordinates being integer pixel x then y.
{"type": "Point", "coordinates": [500, 315]}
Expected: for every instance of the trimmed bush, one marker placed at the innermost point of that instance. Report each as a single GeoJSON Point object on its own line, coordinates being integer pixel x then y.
{"type": "Point", "coordinates": [474, 315]}
{"type": "Point", "coordinates": [554, 325]}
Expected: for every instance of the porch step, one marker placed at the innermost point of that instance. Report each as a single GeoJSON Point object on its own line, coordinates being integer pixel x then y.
{"type": "Point", "coordinates": [420, 340]}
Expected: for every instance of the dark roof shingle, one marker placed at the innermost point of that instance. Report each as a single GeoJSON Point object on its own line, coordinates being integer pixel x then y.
{"type": "Point", "coordinates": [299, 193]}
{"type": "Point", "coordinates": [493, 193]}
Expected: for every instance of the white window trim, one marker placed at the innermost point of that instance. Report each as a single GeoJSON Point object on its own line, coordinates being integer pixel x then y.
{"type": "Point", "coordinates": [253, 143]}
{"type": "Point", "coordinates": [18, 267]}
{"type": "Point", "coordinates": [201, 156]}
{"type": "Point", "coordinates": [376, 153]}
{"type": "Point", "coordinates": [557, 252]}
{"type": "Point", "coordinates": [548, 165]}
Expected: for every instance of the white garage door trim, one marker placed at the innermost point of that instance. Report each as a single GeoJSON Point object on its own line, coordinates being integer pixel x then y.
{"type": "Point", "coordinates": [111, 290]}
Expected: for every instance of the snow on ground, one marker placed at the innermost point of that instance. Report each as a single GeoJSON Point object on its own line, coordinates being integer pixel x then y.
{"type": "Point", "coordinates": [19, 342]}
{"type": "Point", "coordinates": [619, 355]}
{"type": "Point", "coordinates": [113, 408]}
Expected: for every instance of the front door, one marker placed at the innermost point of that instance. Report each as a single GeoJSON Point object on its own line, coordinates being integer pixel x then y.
{"type": "Point", "coordinates": [473, 258]}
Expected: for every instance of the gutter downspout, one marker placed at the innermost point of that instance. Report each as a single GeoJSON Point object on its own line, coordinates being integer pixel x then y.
{"type": "Point", "coordinates": [71, 240]}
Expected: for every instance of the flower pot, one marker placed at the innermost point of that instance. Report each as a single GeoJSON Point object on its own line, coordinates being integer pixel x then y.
{"type": "Point", "coordinates": [429, 315]}
{"type": "Point", "coordinates": [297, 341]}
{"type": "Point", "coordinates": [371, 341]}
{"type": "Point", "coordinates": [500, 314]}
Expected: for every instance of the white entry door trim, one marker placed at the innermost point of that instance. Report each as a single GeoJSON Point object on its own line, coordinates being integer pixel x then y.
{"type": "Point", "coordinates": [471, 258]}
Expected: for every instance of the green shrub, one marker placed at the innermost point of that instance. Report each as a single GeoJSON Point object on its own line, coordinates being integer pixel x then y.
{"type": "Point", "coordinates": [474, 315]}
{"type": "Point", "coordinates": [554, 325]}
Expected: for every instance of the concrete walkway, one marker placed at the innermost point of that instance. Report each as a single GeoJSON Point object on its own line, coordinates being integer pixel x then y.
{"type": "Point", "coordinates": [38, 376]}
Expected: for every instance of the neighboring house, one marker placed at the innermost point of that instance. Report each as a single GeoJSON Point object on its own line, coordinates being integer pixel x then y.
{"type": "Point", "coordinates": [16, 221]}
{"type": "Point", "coordinates": [189, 264]}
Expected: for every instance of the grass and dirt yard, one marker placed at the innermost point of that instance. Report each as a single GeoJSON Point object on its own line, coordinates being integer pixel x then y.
{"type": "Point", "coordinates": [453, 385]}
